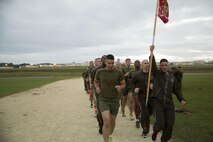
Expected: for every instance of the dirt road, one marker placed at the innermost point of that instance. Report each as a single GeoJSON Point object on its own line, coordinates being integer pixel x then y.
{"type": "Point", "coordinates": [57, 112]}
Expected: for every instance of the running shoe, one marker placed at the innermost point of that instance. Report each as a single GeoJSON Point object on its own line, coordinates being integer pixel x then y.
{"type": "Point", "coordinates": [144, 135]}
{"type": "Point", "coordinates": [123, 114]}
{"type": "Point", "coordinates": [154, 135]}
{"type": "Point", "coordinates": [131, 117]}
{"type": "Point", "coordinates": [137, 124]}
{"type": "Point", "coordinates": [110, 139]}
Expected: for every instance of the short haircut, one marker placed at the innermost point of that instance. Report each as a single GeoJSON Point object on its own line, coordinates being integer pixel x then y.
{"type": "Point", "coordinates": [163, 60]}
{"type": "Point", "coordinates": [103, 57]}
{"type": "Point", "coordinates": [128, 59]}
{"type": "Point", "coordinates": [97, 59]}
{"type": "Point", "coordinates": [137, 61]}
{"type": "Point", "coordinates": [110, 56]}
{"type": "Point", "coordinates": [145, 60]}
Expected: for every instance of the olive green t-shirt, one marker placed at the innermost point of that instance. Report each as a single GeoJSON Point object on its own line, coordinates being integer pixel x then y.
{"type": "Point", "coordinates": [126, 70]}
{"type": "Point", "coordinates": [132, 73]}
{"type": "Point", "coordinates": [107, 81]}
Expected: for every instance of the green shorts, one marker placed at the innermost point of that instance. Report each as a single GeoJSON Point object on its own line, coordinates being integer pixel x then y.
{"type": "Point", "coordinates": [112, 106]}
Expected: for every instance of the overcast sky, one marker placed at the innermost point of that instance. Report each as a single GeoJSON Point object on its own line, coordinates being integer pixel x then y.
{"type": "Point", "coordinates": [64, 31]}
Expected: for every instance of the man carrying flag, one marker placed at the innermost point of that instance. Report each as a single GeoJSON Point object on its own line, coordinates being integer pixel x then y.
{"type": "Point", "coordinates": [164, 85]}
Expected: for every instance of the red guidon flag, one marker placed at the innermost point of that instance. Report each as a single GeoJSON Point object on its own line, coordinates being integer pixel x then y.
{"type": "Point", "coordinates": [163, 10]}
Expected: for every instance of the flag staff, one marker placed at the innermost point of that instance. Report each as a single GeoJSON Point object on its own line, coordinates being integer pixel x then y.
{"type": "Point", "coordinates": [151, 55]}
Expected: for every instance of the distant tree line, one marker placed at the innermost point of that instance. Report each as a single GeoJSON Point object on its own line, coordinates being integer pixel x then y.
{"type": "Point", "coordinates": [13, 65]}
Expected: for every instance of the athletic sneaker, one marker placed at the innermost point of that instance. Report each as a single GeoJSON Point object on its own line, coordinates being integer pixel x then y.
{"type": "Point", "coordinates": [137, 124]}
{"type": "Point", "coordinates": [144, 135]}
{"type": "Point", "coordinates": [131, 117]}
{"type": "Point", "coordinates": [110, 139]}
{"type": "Point", "coordinates": [154, 135]}
{"type": "Point", "coordinates": [123, 114]}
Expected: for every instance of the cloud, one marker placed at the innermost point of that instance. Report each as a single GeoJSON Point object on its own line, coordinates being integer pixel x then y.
{"type": "Point", "coordinates": [191, 21]}
{"type": "Point", "coordinates": [70, 30]}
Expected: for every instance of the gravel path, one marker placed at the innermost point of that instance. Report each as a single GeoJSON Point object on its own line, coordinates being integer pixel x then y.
{"type": "Point", "coordinates": [57, 112]}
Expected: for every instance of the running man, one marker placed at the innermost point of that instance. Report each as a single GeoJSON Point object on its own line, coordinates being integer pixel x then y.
{"type": "Point", "coordinates": [165, 84]}
{"type": "Point", "coordinates": [139, 83]}
{"type": "Point", "coordinates": [85, 85]}
{"type": "Point", "coordinates": [179, 75]}
{"type": "Point", "coordinates": [92, 73]}
{"type": "Point", "coordinates": [109, 82]}
{"type": "Point", "coordinates": [126, 95]}
{"type": "Point", "coordinates": [88, 83]}
{"type": "Point", "coordinates": [132, 72]}
{"type": "Point", "coordinates": [99, 117]}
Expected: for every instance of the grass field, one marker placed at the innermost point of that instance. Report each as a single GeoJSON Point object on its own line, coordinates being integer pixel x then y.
{"type": "Point", "coordinates": [42, 72]}
{"type": "Point", "coordinates": [206, 68]}
{"type": "Point", "coordinates": [18, 80]}
{"type": "Point", "coordinates": [18, 84]}
{"type": "Point", "coordinates": [197, 126]}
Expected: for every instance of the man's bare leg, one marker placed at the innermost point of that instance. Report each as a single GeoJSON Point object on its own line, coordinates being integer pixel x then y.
{"type": "Point", "coordinates": [113, 123]}
{"type": "Point", "coordinates": [123, 104]}
{"type": "Point", "coordinates": [130, 105]}
{"type": "Point", "coordinates": [107, 129]}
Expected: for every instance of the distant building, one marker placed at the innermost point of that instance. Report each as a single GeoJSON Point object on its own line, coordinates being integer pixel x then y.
{"type": "Point", "coordinates": [45, 65]}
{"type": "Point", "coordinates": [181, 63]}
{"type": "Point", "coordinates": [6, 66]}
{"type": "Point", "coordinates": [199, 62]}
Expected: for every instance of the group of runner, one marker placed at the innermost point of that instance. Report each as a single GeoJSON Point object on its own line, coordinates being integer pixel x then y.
{"type": "Point", "coordinates": [110, 86]}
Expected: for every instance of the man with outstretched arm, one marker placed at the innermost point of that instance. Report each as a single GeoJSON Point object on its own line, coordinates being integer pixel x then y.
{"type": "Point", "coordinates": [164, 85]}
